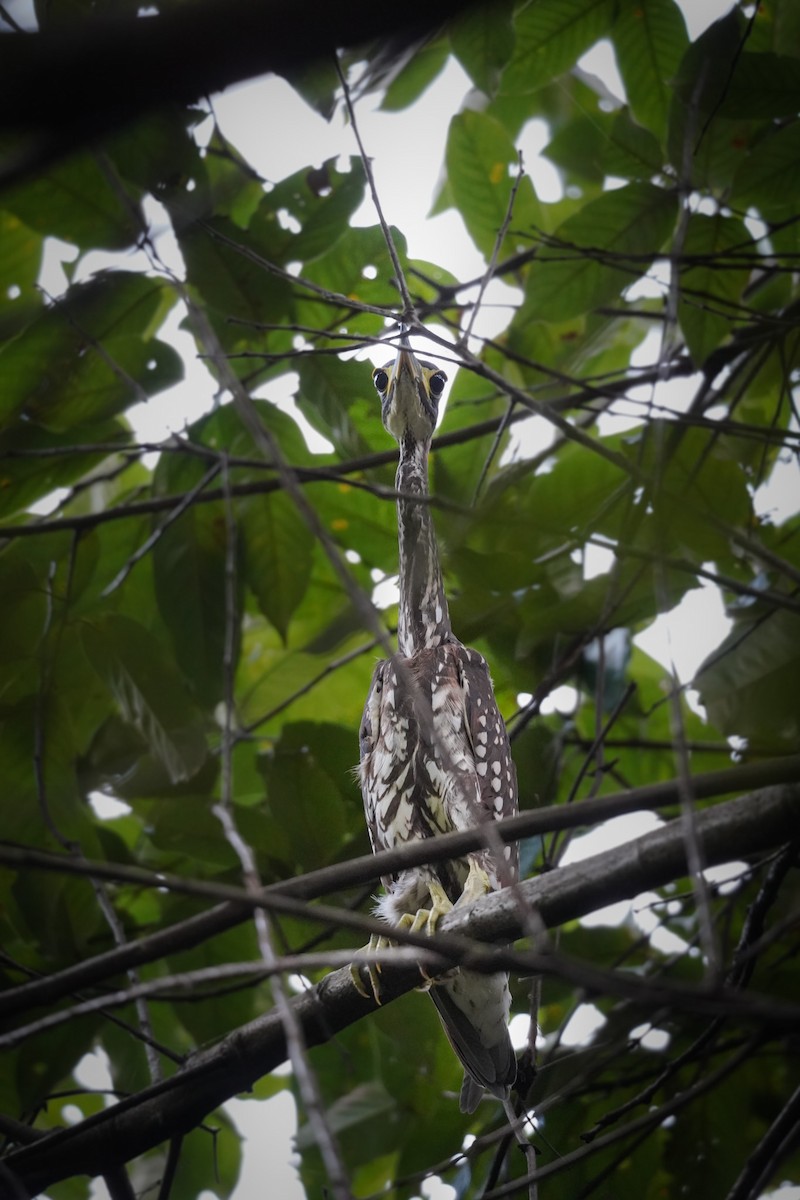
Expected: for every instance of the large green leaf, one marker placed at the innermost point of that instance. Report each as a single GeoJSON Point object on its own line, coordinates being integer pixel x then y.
{"type": "Point", "coordinates": [148, 691]}
{"type": "Point", "coordinates": [762, 85]}
{"type": "Point", "coordinates": [189, 561]}
{"type": "Point", "coordinates": [34, 461]}
{"type": "Point", "coordinates": [551, 36]}
{"type": "Point", "coordinates": [591, 147]}
{"type": "Point", "coordinates": [23, 624]}
{"type": "Point", "coordinates": [599, 251]}
{"type": "Point", "coordinates": [304, 795]}
{"type": "Point", "coordinates": [91, 354]}
{"type": "Point", "coordinates": [481, 163]}
{"type": "Point", "coordinates": [483, 40]}
{"type": "Point", "coordinates": [228, 269]}
{"type": "Point", "coordinates": [80, 201]}
{"type": "Point", "coordinates": [338, 399]}
{"type": "Point", "coordinates": [650, 40]}
{"type": "Point", "coordinates": [749, 684]}
{"type": "Point", "coordinates": [710, 290]}
{"type": "Point", "coordinates": [415, 76]}
{"type": "Point", "coordinates": [20, 262]}
{"type": "Point", "coordinates": [769, 178]}
{"type": "Point", "coordinates": [278, 549]}
{"type": "Point", "coordinates": [320, 200]}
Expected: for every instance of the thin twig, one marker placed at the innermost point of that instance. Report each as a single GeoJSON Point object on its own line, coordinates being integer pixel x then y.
{"type": "Point", "coordinates": [498, 242]}
{"type": "Point", "coordinates": [147, 545]}
{"type": "Point", "coordinates": [409, 315]}
{"type": "Point", "coordinates": [224, 811]}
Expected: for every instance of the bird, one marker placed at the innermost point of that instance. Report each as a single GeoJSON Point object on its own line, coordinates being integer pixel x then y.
{"type": "Point", "coordinates": [434, 751]}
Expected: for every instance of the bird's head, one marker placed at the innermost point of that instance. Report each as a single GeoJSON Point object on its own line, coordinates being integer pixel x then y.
{"type": "Point", "coordinates": [410, 390]}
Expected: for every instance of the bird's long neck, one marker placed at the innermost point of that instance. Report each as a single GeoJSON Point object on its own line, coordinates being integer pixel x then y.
{"type": "Point", "coordinates": [424, 620]}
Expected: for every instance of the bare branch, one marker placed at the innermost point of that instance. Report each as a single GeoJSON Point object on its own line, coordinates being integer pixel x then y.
{"type": "Point", "coordinates": [357, 872]}
{"type": "Point", "coordinates": [748, 824]}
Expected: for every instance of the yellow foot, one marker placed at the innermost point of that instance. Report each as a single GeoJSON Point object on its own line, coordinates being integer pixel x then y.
{"type": "Point", "coordinates": [424, 920]}
{"type": "Point", "coordinates": [373, 970]}
{"type": "Point", "coordinates": [476, 886]}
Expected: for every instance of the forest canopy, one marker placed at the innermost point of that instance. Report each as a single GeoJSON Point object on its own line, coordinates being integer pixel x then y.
{"type": "Point", "coordinates": [188, 628]}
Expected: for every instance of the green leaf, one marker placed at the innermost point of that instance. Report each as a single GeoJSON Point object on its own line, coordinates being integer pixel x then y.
{"type": "Point", "coordinates": [699, 486]}
{"type": "Point", "coordinates": [148, 691]}
{"type": "Point", "coordinates": [599, 251]}
{"type": "Point", "coordinates": [23, 621]}
{"type": "Point", "coordinates": [649, 39]}
{"type": "Point", "coordinates": [189, 563]}
{"type": "Point", "coordinates": [278, 549]}
{"type": "Point", "coordinates": [591, 147]}
{"type": "Point", "coordinates": [762, 85]}
{"type": "Point", "coordinates": [483, 40]}
{"type": "Point", "coordinates": [363, 1107]}
{"type": "Point", "coordinates": [551, 35]}
{"type": "Point", "coordinates": [90, 355]}
{"type": "Point", "coordinates": [317, 83]}
{"type": "Point", "coordinates": [749, 683]}
{"type": "Point", "coordinates": [481, 162]}
{"type": "Point", "coordinates": [45, 1060]}
{"type": "Point", "coordinates": [338, 398]}
{"type": "Point", "coordinates": [20, 262]}
{"type": "Point", "coordinates": [158, 151]}
{"type": "Point", "coordinates": [710, 291]}
{"type": "Point", "coordinates": [229, 270]}
{"type": "Point", "coordinates": [704, 72]}
{"type": "Point", "coordinates": [304, 794]}
{"type": "Point", "coordinates": [210, 1160]}
{"type": "Point", "coordinates": [769, 178]}
{"type": "Point", "coordinates": [358, 267]}
{"type": "Point", "coordinates": [29, 468]}
{"type": "Point", "coordinates": [415, 77]}
{"type": "Point", "coordinates": [322, 200]}
{"type": "Point", "coordinates": [77, 200]}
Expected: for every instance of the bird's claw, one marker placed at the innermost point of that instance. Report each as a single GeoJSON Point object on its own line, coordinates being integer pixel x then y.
{"type": "Point", "coordinates": [373, 969]}
{"type": "Point", "coordinates": [424, 920]}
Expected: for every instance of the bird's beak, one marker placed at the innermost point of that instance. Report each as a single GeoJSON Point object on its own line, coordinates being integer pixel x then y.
{"type": "Point", "coordinates": [407, 407]}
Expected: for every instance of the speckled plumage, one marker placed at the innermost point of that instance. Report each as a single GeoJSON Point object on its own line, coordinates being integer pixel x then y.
{"type": "Point", "coordinates": [435, 755]}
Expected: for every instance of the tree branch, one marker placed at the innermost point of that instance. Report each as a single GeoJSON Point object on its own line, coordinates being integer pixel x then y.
{"type": "Point", "coordinates": [742, 827]}
{"type": "Point", "coordinates": [356, 872]}
{"type": "Point", "coordinates": [136, 65]}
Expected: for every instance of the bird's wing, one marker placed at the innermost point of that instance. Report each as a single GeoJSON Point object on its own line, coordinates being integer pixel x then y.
{"type": "Point", "coordinates": [485, 728]}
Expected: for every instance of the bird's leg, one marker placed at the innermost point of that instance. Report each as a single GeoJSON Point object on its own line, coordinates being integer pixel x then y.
{"type": "Point", "coordinates": [427, 919]}
{"type": "Point", "coordinates": [441, 905]}
{"type": "Point", "coordinates": [424, 920]}
{"type": "Point", "coordinates": [476, 886]}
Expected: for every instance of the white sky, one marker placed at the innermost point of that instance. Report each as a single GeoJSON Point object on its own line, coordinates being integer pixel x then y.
{"type": "Point", "coordinates": [278, 134]}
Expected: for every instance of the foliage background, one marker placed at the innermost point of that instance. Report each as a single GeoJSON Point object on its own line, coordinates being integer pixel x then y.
{"type": "Point", "coordinates": [185, 631]}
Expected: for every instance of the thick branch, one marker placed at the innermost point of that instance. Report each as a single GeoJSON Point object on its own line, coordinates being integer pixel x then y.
{"type": "Point", "coordinates": [357, 872]}
{"type": "Point", "coordinates": [748, 825]}
{"type": "Point", "coordinates": [178, 56]}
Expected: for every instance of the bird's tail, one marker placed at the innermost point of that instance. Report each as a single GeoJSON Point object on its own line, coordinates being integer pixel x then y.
{"type": "Point", "coordinates": [474, 1011]}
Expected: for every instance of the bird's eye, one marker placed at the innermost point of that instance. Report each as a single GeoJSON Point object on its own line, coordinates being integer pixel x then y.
{"type": "Point", "coordinates": [380, 379]}
{"type": "Point", "coordinates": [436, 384]}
